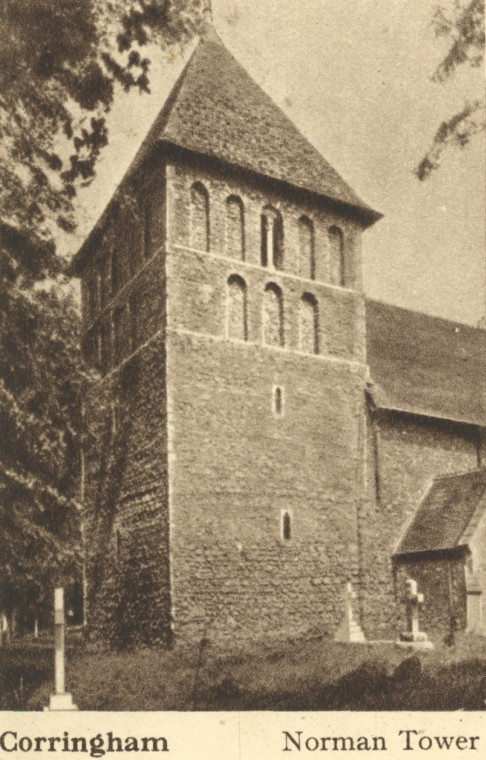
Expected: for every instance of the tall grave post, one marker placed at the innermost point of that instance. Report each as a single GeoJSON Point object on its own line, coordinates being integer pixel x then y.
{"type": "Point", "coordinates": [61, 700]}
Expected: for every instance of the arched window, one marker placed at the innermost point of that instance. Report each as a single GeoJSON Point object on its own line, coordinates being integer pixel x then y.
{"type": "Point", "coordinates": [236, 319]}
{"type": "Point", "coordinates": [336, 256]}
{"type": "Point", "coordinates": [235, 228]}
{"type": "Point", "coordinates": [272, 238]}
{"type": "Point", "coordinates": [306, 248]}
{"type": "Point", "coordinates": [273, 329]}
{"type": "Point", "coordinates": [309, 324]}
{"type": "Point", "coordinates": [199, 217]}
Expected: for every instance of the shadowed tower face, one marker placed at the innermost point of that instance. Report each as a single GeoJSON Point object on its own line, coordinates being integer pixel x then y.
{"type": "Point", "coordinates": [232, 346]}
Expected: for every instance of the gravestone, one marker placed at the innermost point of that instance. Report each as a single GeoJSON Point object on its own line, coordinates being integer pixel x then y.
{"type": "Point", "coordinates": [61, 700]}
{"type": "Point", "coordinates": [349, 630]}
{"type": "Point", "coordinates": [413, 637]}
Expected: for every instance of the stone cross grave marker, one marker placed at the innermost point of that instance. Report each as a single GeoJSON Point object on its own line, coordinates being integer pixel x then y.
{"type": "Point", "coordinates": [61, 700]}
{"type": "Point", "coordinates": [349, 630]}
{"type": "Point", "coordinates": [413, 599]}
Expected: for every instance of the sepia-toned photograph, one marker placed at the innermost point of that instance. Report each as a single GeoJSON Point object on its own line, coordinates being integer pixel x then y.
{"type": "Point", "coordinates": [243, 359]}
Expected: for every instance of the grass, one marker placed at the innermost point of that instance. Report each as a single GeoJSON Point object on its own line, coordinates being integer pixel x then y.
{"type": "Point", "coordinates": [301, 675]}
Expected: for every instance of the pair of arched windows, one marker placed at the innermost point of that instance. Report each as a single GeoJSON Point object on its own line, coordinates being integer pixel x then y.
{"type": "Point", "coordinates": [307, 252]}
{"type": "Point", "coordinates": [237, 316]}
{"type": "Point", "coordinates": [200, 222]}
{"type": "Point", "coordinates": [273, 316]}
{"type": "Point", "coordinates": [273, 320]}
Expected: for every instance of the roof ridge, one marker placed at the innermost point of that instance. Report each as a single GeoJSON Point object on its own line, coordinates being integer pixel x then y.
{"type": "Point", "coordinates": [419, 313]}
{"type": "Point", "coordinates": [466, 473]}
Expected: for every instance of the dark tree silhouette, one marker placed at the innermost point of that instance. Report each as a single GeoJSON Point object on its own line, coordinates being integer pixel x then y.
{"type": "Point", "coordinates": [62, 64]}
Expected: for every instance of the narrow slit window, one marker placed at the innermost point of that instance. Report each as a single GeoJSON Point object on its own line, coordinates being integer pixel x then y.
{"type": "Point", "coordinates": [286, 526]}
{"type": "Point", "coordinates": [278, 401]}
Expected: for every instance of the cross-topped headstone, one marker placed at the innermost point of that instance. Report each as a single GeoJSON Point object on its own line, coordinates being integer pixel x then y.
{"type": "Point", "coordinates": [349, 630]}
{"type": "Point", "coordinates": [413, 600]}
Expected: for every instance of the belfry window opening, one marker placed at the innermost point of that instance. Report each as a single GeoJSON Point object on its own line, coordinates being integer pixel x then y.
{"type": "Point", "coordinates": [271, 238]}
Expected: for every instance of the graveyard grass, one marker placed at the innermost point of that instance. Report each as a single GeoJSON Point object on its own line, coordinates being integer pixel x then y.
{"type": "Point", "coordinates": [318, 674]}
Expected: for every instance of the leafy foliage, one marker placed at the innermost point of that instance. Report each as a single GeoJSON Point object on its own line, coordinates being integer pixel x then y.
{"type": "Point", "coordinates": [41, 382]}
{"type": "Point", "coordinates": [61, 65]}
{"type": "Point", "coordinates": [466, 31]}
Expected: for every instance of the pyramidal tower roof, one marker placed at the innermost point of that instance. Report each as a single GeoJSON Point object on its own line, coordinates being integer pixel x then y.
{"type": "Point", "coordinates": [217, 109]}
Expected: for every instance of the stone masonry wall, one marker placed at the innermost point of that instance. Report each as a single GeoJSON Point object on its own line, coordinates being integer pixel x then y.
{"type": "Point", "coordinates": [403, 454]}
{"type": "Point", "coordinates": [127, 527]}
{"type": "Point", "coordinates": [237, 461]}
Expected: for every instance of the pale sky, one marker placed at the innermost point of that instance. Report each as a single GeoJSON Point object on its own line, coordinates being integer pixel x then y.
{"type": "Point", "coordinates": [354, 76]}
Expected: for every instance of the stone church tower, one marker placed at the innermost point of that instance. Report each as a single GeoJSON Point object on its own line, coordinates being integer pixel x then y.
{"type": "Point", "coordinates": [223, 307]}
